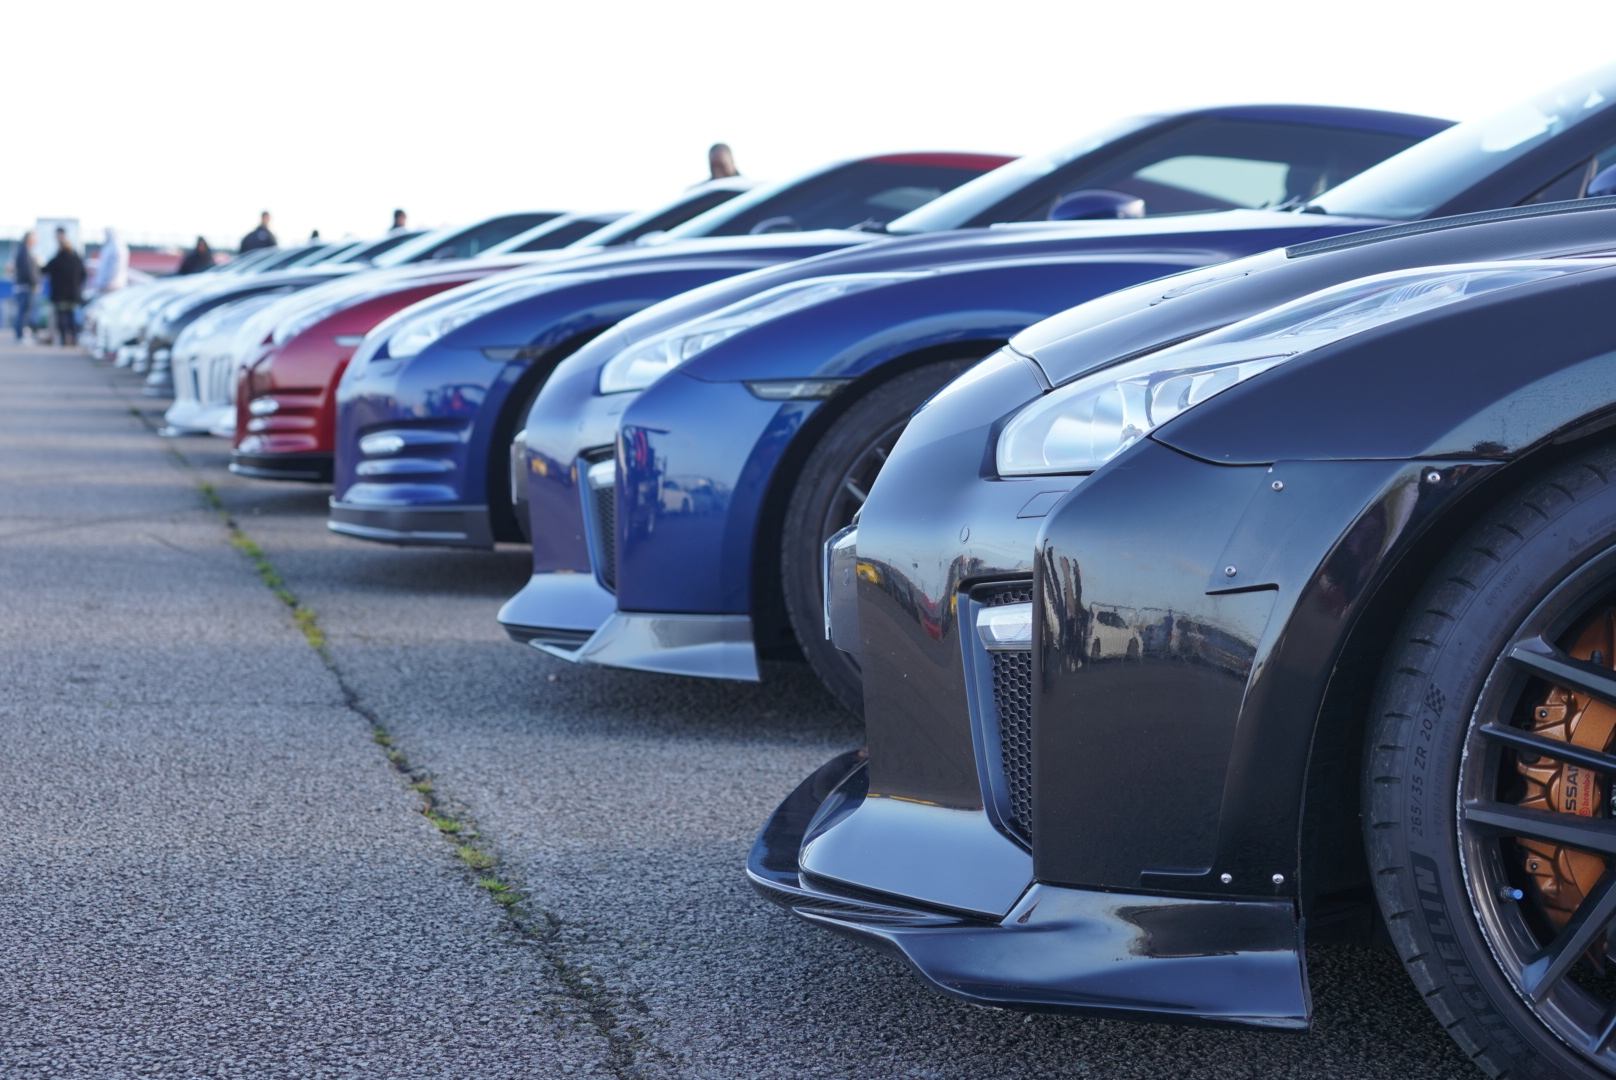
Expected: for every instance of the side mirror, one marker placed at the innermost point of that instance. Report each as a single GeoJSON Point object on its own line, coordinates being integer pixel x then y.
{"type": "Point", "coordinates": [1602, 184]}
{"type": "Point", "coordinates": [1093, 203]}
{"type": "Point", "coordinates": [784, 223]}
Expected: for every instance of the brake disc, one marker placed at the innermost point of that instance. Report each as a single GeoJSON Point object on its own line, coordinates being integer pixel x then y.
{"type": "Point", "coordinates": [1561, 876]}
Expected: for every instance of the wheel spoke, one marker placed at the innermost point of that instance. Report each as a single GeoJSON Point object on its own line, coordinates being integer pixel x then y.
{"type": "Point", "coordinates": [1602, 1034]}
{"type": "Point", "coordinates": [1556, 749]}
{"type": "Point", "coordinates": [1580, 676]}
{"type": "Point", "coordinates": [1588, 834]}
{"type": "Point", "coordinates": [1591, 919]}
{"type": "Point", "coordinates": [855, 491]}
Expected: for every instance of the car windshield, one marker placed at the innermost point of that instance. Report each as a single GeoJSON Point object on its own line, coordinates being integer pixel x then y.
{"type": "Point", "coordinates": [366, 250]}
{"type": "Point", "coordinates": [244, 263]}
{"type": "Point", "coordinates": [626, 230]}
{"type": "Point", "coordinates": [840, 197]}
{"type": "Point", "coordinates": [340, 252]}
{"type": "Point", "coordinates": [1187, 165]}
{"type": "Point", "coordinates": [565, 233]}
{"type": "Point", "coordinates": [463, 242]}
{"type": "Point", "coordinates": [965, 202]}
{"type": "Point", "coordinates": [289, 256]}
{"type": "Point", "coordinates": [418, 245]}
{"type": "Point", "coordinates": [1423, 178]}
{"type": "Point", "coordinates": [316, 253]}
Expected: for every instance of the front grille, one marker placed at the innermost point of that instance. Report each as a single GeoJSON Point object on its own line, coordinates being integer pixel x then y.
{"type": "Point", "coordinates": [1012, 704]}
{"type": "Point", "coordinates": [218, 385]}
{"type": "Point", "coordinates": [597, 474]}
{"type": "Point", "coordinates": [605, 500]}
{"type": "Point", "coordinates": [1012, 699]}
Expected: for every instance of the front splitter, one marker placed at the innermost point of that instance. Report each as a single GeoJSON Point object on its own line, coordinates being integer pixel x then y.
{"type": "Point", "coordinates": [310, 468]}
{"type": "Point", "coordinates": [1063, 950]}
{"type": "Point", "coordinates": [414, 526]}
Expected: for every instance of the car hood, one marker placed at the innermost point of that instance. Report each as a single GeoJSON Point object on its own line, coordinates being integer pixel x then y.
{"type": "Point", "coordinates": [1213, 237]}
{"type": "Point", "coordinates": [1144, 317]}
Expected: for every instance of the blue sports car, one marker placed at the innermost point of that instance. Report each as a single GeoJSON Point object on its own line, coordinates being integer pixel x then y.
{"type": "Point", "coordinates": [815, 374]}
{"type": "Point", "coordinates": [422, 403]}
{"type": "Point", "coordinates": [422, 436]}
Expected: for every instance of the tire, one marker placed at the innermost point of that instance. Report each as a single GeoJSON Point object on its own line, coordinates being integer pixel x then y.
{"type": "Point", "coordinates": [824, 499]}
{"type": "Point", "coordinates": [1462, 721]}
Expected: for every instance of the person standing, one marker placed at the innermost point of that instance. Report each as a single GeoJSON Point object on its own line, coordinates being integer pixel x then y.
{"type": "Point", "coordinates": [721, 161]}
{"type": "Point", "coordinates": [260, 237]}
{"type": "Point", "coordinates": [65, 272]}
{"type": "Point", "coordinates": [25, 269]}
{"type": "Point", "coordinates": [401, 223]}
{"type": "Point", "coordinates": [198, 259]}
{"type": "Point", "coordinates": [111, 265]}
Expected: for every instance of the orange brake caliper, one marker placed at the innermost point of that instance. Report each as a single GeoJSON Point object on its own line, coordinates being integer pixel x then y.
{"type": "Point", "coordinates": [1563, 875]}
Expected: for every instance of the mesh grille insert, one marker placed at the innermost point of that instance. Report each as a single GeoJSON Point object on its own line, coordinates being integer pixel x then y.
{"type": "Point", "coordinates": [1012, 702]}
{"type": "Point", "coordinates": [605, 499]}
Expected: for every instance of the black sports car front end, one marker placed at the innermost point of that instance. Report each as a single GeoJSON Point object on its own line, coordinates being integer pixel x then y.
{"type": "Point", "coordinates": [1120, 635]}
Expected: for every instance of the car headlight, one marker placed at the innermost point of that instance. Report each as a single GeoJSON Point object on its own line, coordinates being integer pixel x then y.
{"type": "Point", "coordinates": [415, 334]}
{"type": "Point", "coordinates": [644, 362]}
{"type": "Point", "coordinates": [1078, 427]}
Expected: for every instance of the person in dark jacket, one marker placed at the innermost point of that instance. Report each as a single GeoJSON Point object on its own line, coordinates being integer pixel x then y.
{"type": "Point", "coordinates": [25, 279]}
{"type": "Point", "coordinates": [198, 259]}
{"type": "Point", "coordinates": [260, 237]}
{"type": "Point", "coordinates": [65, 272]}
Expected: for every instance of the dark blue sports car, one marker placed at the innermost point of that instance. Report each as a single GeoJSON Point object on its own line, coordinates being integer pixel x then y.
{"type": "Point", "coordinates": [458, 491]}
{"type": "Point", "coordinates": [441, 383]}
{"type": "Point", "coordinates": [815, 378]}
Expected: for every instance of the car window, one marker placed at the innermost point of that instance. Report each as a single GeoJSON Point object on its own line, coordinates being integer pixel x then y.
{"type": "Point", "coordinates": [627, 230]}
{"type": "Point", "coordinates": [1214, 163]}
{"type": "Point", "coordinates": [289, 257]}
{"type": "Point", "coordinates": [373, 248]}
{"type": "Point", "coordinates": [1234, 181]}
{"type": "Point", "coordinates": [1206, 163]}
{"type": "Point", "coordinates": [562, 235]}
{"type": "Point", "coordinates": [480, 238]}
{"type": "Point", "coordinates": [838, 198]}
{"type": "Point", "coordinates": [1573, 183]}
{"type": "Point", "coordinates": [1446, 165]}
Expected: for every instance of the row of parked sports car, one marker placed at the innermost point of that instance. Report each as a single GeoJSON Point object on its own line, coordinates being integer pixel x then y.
{"type": "Point", "coordinates": [1214, 522]}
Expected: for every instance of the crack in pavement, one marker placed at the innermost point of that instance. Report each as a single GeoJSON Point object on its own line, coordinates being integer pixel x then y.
{"type": "Point", "coordinates": [530, 924]}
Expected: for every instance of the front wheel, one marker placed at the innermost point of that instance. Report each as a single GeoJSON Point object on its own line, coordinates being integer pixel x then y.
{"type": "Point", "coordinates": [1489, 777]}
{"type": "Point", "coordinates": [834, 483]}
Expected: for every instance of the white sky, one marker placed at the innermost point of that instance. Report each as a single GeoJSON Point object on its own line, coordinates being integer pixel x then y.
{"type": "Point", "coordinates": [183, 117]}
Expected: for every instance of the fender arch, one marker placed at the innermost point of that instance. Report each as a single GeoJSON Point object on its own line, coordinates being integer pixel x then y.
{"type": "Point", "coordinates": [771, 628]}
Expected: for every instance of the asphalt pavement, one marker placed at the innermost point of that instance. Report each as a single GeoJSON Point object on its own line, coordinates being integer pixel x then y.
{"type": "Point", "coordinates": [370, 836]}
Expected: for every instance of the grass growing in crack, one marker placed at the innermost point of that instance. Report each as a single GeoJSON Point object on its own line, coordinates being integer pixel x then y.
{"type": "Point", "coordinates": [624, 1043]}
{"type": "Point", "coordinates": [304, 617]}
{"type": "Point", "coordinates": [443, 824]}
{"type": "Point", "coordinates": [474, 857]}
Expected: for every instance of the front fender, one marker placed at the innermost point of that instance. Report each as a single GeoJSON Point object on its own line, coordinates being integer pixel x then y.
{"type": "Point", "coordinates": [690, 491]}
{"type": "Point", "coordinates": [1176, 702]}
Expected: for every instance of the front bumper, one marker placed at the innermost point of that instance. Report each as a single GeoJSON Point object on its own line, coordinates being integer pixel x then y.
{"type": "Point", "coordinates": [314, 468]}
{"type": "Point", "coordinates": [413, 526]}
{"type": "Point", "coordinates": [1226, 963]}
{"type": "Point", "coordinates": [571, 616]}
